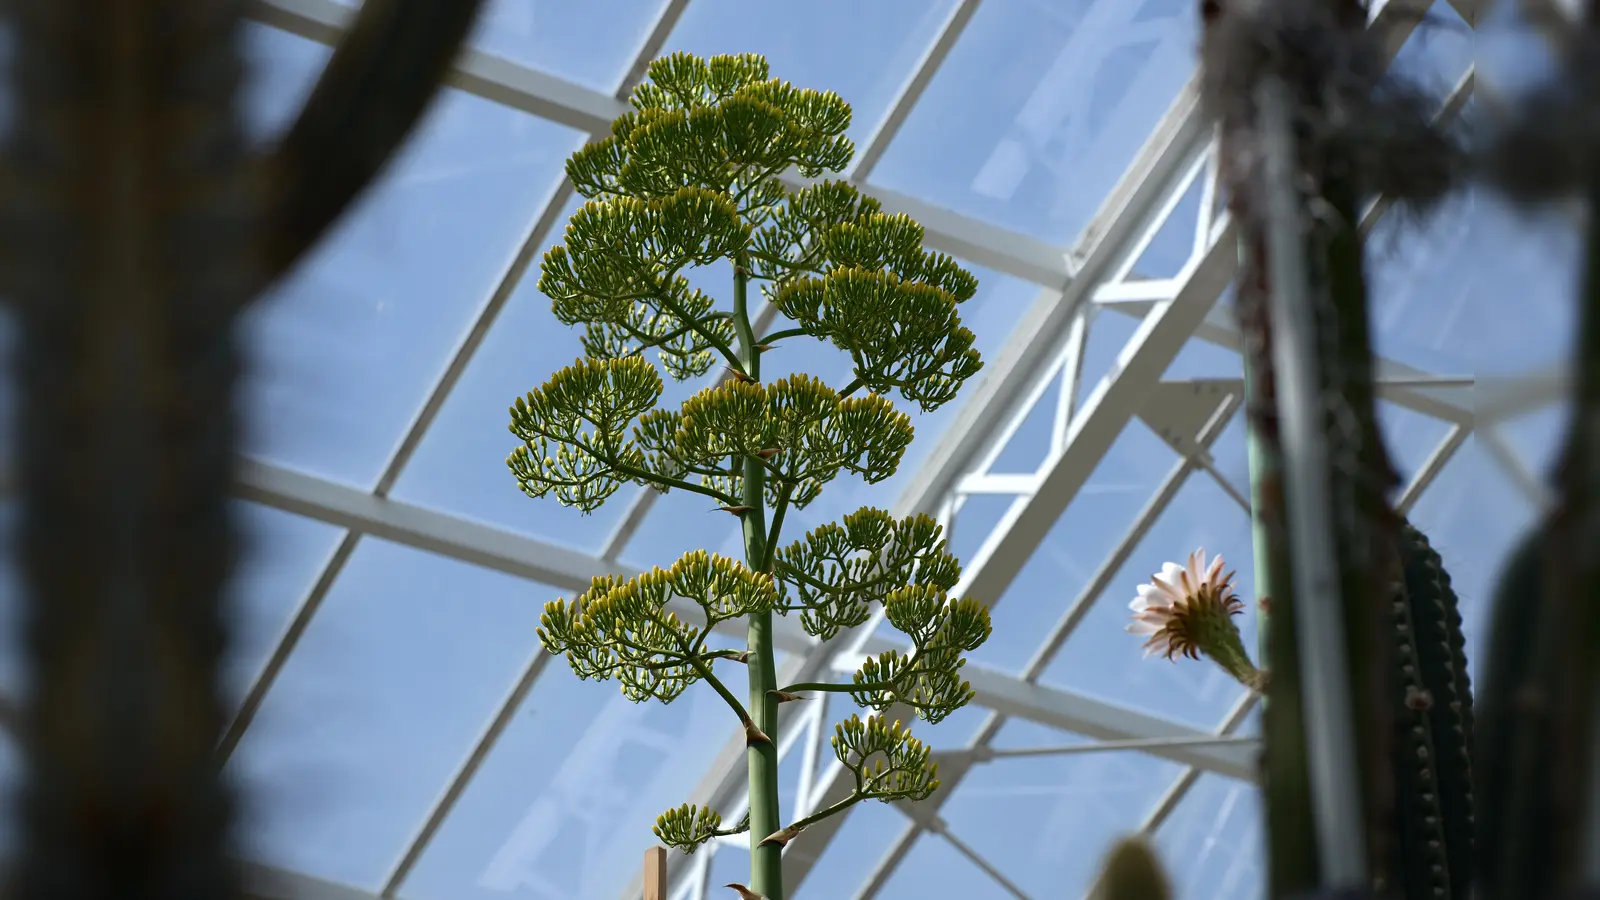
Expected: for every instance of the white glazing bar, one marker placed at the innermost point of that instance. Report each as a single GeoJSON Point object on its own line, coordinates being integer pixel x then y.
{"type": "Point", "coordinates": [585, 109]}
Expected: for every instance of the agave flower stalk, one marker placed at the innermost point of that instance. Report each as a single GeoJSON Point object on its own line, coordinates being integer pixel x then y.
{"type": "Point", "coordinates": [690, 176]}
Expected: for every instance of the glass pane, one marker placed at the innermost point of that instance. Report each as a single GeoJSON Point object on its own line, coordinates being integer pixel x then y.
{"type": "Point", "coordinates": [1537, 437]}
{"type": "Point", "coordinates": [1046, 822]}
{"type": "Point", "coordinates": [564, 804]}
{"type": "Point", "coordinates": [1478, 289]}
{"type": "Point", "coordinates": [394, 679]}
{"type": "Point", "coordinates": [347, 348]}
{"type": "Point", "coordinates": [934, 868]}
{"type": "Point", "coordinates": [1173, 243]}
{"type": "Point", "coordinates": [682, 521]}
{"type": "Point", "coordinates": [731, 865]}
{"type": "Point", "coordinates": [1203, 359]}
{"type": "Point", "coordinates": [1512, 55]}
{"type": "Point", "coordinates": [1039, 109]}
{"type": "Point", "coordinates": [1030, 445]}
{"type": "Point", "coordinates": [283, 556]}
{"type": "Point", "coordinates": [283, 70]}
{"type": "Point", "coordinates": [1212, 845]}
{"type": "Point", "coordinates": [864, 52]}
{"type": "Point", "coordinates": [854, 854]}
{"type": "Point", "coordinates": [1438, 51]}
{"type": "Point", "coordinates": [1102, 660]}
{"type": "Point", "coordinates": [460, 466]}
{"type": "Point", "coordinates": [1411, 438]}
{"type": "Point", "coordinates": [1090, 528]}
{"type": "Point", "coordinates": [1110, 330]}
{"type": "Point", "coordinates": [592, 43]}
{"type": "Point", "coordinates": [1231, 455]}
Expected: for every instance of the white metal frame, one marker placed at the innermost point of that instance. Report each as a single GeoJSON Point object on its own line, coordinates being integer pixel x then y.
{"type": "Point", "coordinates": [1076, 284]}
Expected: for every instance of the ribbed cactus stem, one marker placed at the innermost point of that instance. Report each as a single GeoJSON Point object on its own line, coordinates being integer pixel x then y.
{"type": "Point", "coordinates": [1264, 466]}
{"type": "Point", "coordinates": [1432, 748]}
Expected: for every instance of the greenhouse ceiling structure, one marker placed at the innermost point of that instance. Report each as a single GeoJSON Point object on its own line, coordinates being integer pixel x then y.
{"type": "Point", "coordinates": [398, 729]}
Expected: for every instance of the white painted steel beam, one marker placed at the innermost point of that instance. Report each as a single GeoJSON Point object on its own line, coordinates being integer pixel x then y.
{"type": "Point", "coordinates": [1108, 409]}
{"type": "Point", "coordinates": [456, 538]}
{"type": "Point", "coordinates": [530, 558]}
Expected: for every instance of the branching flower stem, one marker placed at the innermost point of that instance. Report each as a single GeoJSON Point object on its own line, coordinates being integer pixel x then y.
{"type": "Point", "coordinates": [779, 838]}
{"type": "Point", "coordinates": [766, 860]}
{"type": "Point", "coordinates": [785, 334]}
{"type": "Point", "coordinates": [841, 688]}
{"type": "Point", "coordinates": [895, 689]}
{"type": "Point", "coordinates": [654, 477]}
{"type": "Point", "coordinates": [703, 667]}
{"type": "Point", "coordinates": [777, 524]}
{"type": "Point", "coordinates": [863, 791]}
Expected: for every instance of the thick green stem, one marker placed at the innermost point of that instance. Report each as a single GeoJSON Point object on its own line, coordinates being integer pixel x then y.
{"type": "Point", "coordinates": [766, 860]}
{"type": "Point", "coordinates": [1292, 855]}
{"type": "Point", "coordinates": [1263, 470]}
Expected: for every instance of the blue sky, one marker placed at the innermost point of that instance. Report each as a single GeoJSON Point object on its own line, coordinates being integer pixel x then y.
{"type": "Point", "coordinates": [1028, 126]}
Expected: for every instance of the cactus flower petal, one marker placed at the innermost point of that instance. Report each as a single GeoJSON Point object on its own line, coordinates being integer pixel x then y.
{"type": "Point", "coordinates": [1187, 610]}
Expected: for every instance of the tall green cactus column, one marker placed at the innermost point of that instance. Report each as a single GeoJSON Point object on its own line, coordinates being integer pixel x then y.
{"type": "Point", "coordinates": [1263, 471]}
{"type": "Point", "coordinates": [1366, 697]}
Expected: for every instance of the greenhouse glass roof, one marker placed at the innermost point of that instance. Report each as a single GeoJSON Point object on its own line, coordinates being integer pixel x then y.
{"type": "Point", "coordinates": [400, 731]}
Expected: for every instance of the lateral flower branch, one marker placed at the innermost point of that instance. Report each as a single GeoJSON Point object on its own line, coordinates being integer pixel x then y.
{"type": "Point", "coordinates": [689, 177]}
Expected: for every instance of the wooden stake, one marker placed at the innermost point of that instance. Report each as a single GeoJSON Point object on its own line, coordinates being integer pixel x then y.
{"type": "Point", "coordinates": [655, 873]}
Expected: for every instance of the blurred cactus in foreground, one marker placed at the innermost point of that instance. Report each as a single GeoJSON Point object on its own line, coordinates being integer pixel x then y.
{"type": "Point", "coordinates": [138, 225]}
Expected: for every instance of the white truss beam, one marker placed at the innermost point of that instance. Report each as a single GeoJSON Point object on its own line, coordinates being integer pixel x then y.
{"type": "Point", "coordinates": [1108, 410]}
{"type": "Point", "coordinates": [590, 111]}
